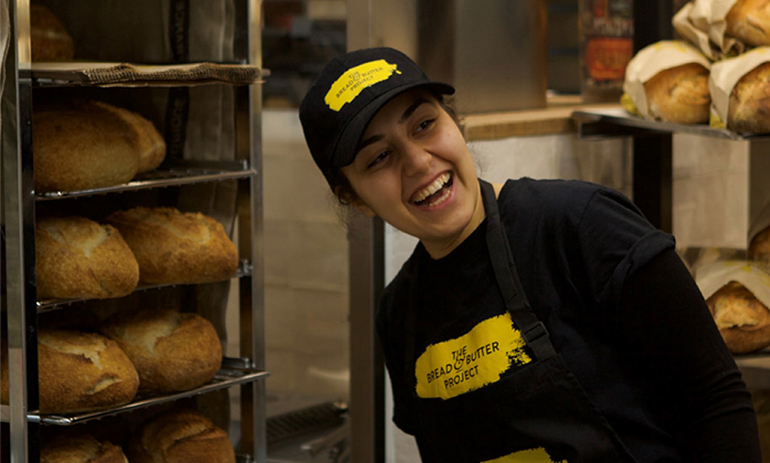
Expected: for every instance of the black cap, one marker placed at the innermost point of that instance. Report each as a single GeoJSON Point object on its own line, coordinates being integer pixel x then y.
{"type": "Point", "coordinates": [346, 96]}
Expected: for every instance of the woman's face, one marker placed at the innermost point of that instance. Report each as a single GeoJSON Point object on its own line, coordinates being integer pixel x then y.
{"type": "Point", "coordinates": [414, 170]}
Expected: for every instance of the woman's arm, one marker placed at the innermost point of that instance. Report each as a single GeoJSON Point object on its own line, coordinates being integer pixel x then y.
{"type": "Point", "coordinates": [667, 330]}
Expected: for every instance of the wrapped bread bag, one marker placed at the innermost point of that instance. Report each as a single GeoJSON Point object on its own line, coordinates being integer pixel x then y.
{"type": "Point", "coordinates": [710, 25]}
{"type": "Point", "coordinates": [738, 296]}
{"type": "Point", "coordinates": [668, 82]}
{"type": "Point", "coordinates": [740, 91]}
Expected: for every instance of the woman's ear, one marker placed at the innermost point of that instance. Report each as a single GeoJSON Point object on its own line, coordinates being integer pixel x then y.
{"type": "Point", "coordinates": [363, 208]}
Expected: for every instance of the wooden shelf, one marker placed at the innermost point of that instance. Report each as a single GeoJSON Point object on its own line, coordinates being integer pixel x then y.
{"type": "Point", "coordinates": [555, 118]}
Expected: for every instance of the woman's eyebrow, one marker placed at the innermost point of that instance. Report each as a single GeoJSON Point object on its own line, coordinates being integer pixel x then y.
{"type": "Point", "coordinates": [411, 109]}
{"type": "Point", "coordinates": [407, 113]}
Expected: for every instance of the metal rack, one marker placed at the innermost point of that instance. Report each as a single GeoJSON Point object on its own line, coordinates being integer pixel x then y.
{"type": "Point", "coordinates": [19, 206]}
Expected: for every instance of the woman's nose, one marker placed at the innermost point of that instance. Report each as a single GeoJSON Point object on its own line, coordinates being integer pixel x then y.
{"type": "Point", "coordinates": [415, 159]}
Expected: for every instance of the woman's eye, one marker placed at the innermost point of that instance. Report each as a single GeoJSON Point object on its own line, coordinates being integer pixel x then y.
{"type": "Point", "coordinates": [425, 124]}
{"type": "Point", "coordinates": [377, 159]}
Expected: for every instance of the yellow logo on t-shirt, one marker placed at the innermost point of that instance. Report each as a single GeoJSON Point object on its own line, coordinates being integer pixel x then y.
{"type": "Point", "coordinates": [525, 456]}
{"type": "Point", "coordinates": [350, 84]}
{"type": "Point", "coordinates": [479, 357]}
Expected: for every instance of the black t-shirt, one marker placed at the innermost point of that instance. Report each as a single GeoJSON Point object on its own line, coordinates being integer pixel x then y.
{"type": "Point", "coordinates": [575, 246]}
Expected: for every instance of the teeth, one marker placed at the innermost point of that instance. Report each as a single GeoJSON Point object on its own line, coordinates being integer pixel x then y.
{"type": "Point", "coordinates": [432, 188]}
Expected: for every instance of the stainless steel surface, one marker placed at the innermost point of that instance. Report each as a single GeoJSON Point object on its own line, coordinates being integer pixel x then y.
{"type": "Point", "coordinates": [163, 178]}
{"type": "Point", "coordinates": [225, 377]}
{"type": "Point", "coordinates": [493, 52]}
{"type": "Point", "coordinates": [245, 268]}
{"type": "Point", "coordinates": [367, 382]}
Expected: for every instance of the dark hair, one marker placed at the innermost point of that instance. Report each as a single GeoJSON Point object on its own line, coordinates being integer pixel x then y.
{"type": "Point", "coordinates": [340, 184]}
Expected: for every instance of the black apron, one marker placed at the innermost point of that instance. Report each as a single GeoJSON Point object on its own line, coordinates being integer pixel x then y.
{"type": "Point", "coordinates": [540, 406]}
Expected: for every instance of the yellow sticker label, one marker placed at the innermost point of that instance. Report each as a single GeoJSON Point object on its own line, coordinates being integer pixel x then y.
{"type": "Point", "coordinates": [350, 84]}
{"type": "Point", "coordinates": [480, 357]}
{"type": "Point", "coordinates": [526, 456]}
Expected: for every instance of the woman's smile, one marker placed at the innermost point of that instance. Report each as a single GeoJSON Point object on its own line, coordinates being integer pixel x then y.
{"type": "Point", "coordinates": [435, 193]}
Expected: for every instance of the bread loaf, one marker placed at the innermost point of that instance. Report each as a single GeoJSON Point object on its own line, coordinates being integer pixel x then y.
{"type": "Point", "coordinates": [743, 321]}
{"type": "Point", "coordinates": [172, 351]}
{"type": "Point", "coordinates": [150, 145]}
{"type": "Point", "coordinates": [50, 39]}
{"type": "Point", "coordinates": [759, 247]}
{"type": "Point", "coordinates": [81, 145]}
{"type": "Point", "coordinates": [679, 94]}
{"type": "Point", "coordinates": [79, 372]}
{"type": "Point", "coordinates": [749, 22]}
{"type": "Point", "coordinates": [79, 258]}
{"type": "Point", "coordinates": [180, 437]}
{"type": "Point", "coordinates": [173, 247]}
{"type": "Point", "coordinates": [749, 111]}
{"type": "Point", "coordinates": [79, 448]}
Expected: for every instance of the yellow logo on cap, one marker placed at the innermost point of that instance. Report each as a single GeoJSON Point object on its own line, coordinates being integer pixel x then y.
{"type": "Point", "coordinates": [356, 79]}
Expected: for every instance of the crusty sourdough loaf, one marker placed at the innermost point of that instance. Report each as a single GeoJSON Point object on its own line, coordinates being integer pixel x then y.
{"type": "Point", "coordinates": [79, 145]}
{"type": "Point", "coordinates": [743, 321]}
{"type": "Point", "coordinates": [172, 351]}
{"type": "Point", "coordinates": [174, 247]}
{"type": "Point", "coordinates": [759, 247]}
{"type": "Point", "coordinates": [79, 448]}
{"type": "Point", "coordinates": [182, 436]}
{"type": "Point", "coordinates": [749, 107]}
{"type": "Point", "coordinates": [50, 39]}
{"type": "Point", "coordinates": [79, 372]}
{"type": "Point", "coordinates": [749, 22]}
{"type": "Point", "coordinates": [79, 258]}
{"type": "Point", "coordinates": [679, 94]}
{"type": "Point", "coordinates": [150, 145]}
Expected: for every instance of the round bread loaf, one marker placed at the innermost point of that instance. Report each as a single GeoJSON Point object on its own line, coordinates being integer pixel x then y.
{"type": "Point", "coordinates": [743, 321]}
{"type": "Point", "coordinates": [79, 372]}
{"type": "Point", "coordinates": [748, 110]}
{"type": "Point", "coordinates": [79, 258]}
{"type": "Point", "coordinates": [184, 436]}
{"type": "Point", "coordinates": [749, 22]}
{"type": "Point", "coordinates": [151, 146]}
{"type": "Point", "coordinates": [79, 448]}
{"type": "Point", "coordinates": [80, 145]}
{"type": "Point", "coordinates": [174, 247]}
{"type": "Point", "coordinates": [172, 351]}
{"type": "Point", "coordinates": [679, 94]}
{"type": "Point", "coordinates": [50, 39]}
{"type": "Point", "coordinates": [759, 247]}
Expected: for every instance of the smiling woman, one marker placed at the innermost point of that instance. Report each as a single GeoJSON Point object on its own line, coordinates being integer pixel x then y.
{"type": "Point", "coordinates": [543, 321]}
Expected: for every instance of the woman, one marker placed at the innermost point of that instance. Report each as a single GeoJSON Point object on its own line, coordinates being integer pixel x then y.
{"type": "Point", "coordinates": [535, 320]}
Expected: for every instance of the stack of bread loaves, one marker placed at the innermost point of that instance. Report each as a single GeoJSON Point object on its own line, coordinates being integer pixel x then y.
{"type": "Point", "coordinates": [83, 144]}
{"type": "Point", "coordinates": [724, 77]}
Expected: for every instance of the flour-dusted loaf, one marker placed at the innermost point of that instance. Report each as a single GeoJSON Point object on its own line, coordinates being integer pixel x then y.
{"type": "Point", "coordinates": [150, 145]}
{"type": "Point", "coordinates": [79, 447]}
{"type": "Point", "coordinates": [79, 145]}
{"type": "Point", "coordinates": [50, 39]}
{"type": "Point", "coordinates": [679, 94]}
{"type": "Point", "coordinates": [183, 436]}
{"type": "Point", "coordinates": [79, 258]}
{"type": "Point", "coordinates": [172, 351]}
{"type": "Point", "coordinates": [79, 372]}
{"type": "Point", "coordinates": [749, 108]}
{"type": "Point", "coordinates": [749, 22]}
{"type": "Point", "coordinates": [174, 247]}
{"type": "Point", "coordinates": [742, 319]}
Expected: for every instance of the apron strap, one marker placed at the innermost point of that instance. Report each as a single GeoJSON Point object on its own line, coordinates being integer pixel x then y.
{"type": "Point", "coordinates": [534, 331]}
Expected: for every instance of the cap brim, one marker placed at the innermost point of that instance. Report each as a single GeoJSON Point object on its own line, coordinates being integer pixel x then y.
{"type": "Point", "coordinates": [346, 149]}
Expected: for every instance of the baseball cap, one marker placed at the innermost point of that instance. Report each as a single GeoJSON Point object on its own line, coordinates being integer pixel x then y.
{"type": "Point", "coordinates": [348, 93]}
